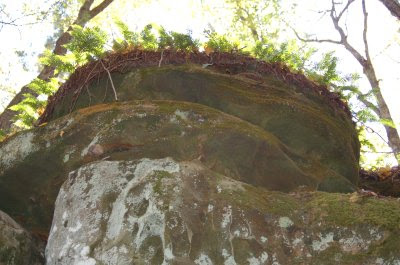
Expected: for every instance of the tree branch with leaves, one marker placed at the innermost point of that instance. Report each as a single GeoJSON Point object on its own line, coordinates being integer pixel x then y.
{"type": "Point", "coordinates": [86, 12]}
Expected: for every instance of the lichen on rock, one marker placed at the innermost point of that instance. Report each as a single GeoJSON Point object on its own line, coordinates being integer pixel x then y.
{"type": "Point", "coordinates": [113, 209]}
{"type": "Point", "coordinates": [17, 149]}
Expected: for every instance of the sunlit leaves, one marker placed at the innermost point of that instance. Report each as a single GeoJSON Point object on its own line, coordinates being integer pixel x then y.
{"type": "Point", "coordinates": [177, 41]}
{"type": "Point", "coordinates": [42, 87]}
{"type": "Point", "coordinates": [148, 38]}
{"type": "Point", "coordinates": [127, 35]}
{"type": "Point", "coordinates": [220, 43]}
{"type": "Point", "coordinates": [30, 107]}
{"type": "Point", "coordinates": [254, 19]}
{"type": "Point", "coordinates": [325, 71]}
{"type": "Point", "coordinates": [154, 37]}
{"type": "Point", "coordinates": [62, 63]}
{"type": "Point", "coordinates": [165, 39]}
{"type": "Point", "coordinates": [366, 115]}
{"type": "Point", "coordinates": [288, 53]}
{"type": "Point", "coordinates": [87, 42]}
{"type": "Point", "coordinates": [184, 42]}
{"type": "Point", "coordinates": [27, 110]}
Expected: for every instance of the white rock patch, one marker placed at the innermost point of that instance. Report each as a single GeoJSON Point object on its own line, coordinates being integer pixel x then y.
{"type": "Point", "coordinates": [260, 260]}
{"type": "Point", "coordinates": [16, 150]}
{"type": "Point", "coordinates": [226, 216]}
{"type": "Point", "coordinates": [87, 213]}
{"type": "Point", "coordinates": [323, 243]}
{"type": "Point", "coordinates": [203, 260]}
{"type": "Point", "coordinates": [92, 143]}
{"type": "Point", "coordinates": [228, 258]}
{"type": "Point", "coordinates": [285, 222]}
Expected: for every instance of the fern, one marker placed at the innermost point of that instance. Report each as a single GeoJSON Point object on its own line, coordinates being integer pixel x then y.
{"type": "Point", "coordinates": [86, 44]}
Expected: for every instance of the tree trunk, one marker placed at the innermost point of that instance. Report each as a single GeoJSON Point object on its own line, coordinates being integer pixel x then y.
{"type": "Point", "coordinates": [85, 15]}
{"type": "Point", "coordinates": [383, 111]}
{"type": "Point", "coordinates": [393, 6]}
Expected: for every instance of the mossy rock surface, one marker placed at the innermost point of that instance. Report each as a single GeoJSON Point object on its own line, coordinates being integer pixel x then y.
{"type": "Point", "coordinates": [160, 211]}
{"type": "Point", "coordinates": [41, 158]}
{"type": "Point", "coordinates": [302, 119]}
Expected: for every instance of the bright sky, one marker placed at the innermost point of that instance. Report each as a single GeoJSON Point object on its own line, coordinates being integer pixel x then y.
{"type": "Point", "coordinates": [185, 14]}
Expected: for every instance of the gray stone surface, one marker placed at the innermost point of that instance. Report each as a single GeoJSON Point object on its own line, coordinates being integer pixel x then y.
{"type": "Point", "coordinates": [165, 212]}
{"type": "Point", "coordinates": [17, 247]}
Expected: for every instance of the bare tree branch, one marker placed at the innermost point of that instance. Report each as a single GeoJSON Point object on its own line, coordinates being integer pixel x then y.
{"type": "Point", "coordinates": [13, 21]}
{"type": "Point", "coordinates": [360, 58]}
{"type": "Point", "coordinates": [315, 39]}
{"type": "Point", "coordinates": [365, 31]}
{"type": "Point", "coordinates": [377, 152]}
{"type": "Point", "coordinates": [349, 2]}
{"type": "Point", "coordinates": [371, 130]}
{"type": "Point", "coordinates": [109, 76]}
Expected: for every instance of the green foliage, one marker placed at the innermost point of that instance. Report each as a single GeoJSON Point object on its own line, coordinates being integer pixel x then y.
{"type": "Point", "coordinates": [165, 39]}
{"type": "Point", "coordinates": [220, 43]}
{"type": "Point", "coordinates": [184, 42]}
{"type": "Point", "coordinates": [86, 44]}
{"type": "Point", "coordinates": [89, 44]}
{"type": "Point", "coordinates": [130, 37]}
{"type": "Point", "coordinates": [176, 41]}
{"type": "Point", "coordinates": [251, 18]}
{"type": "Point", "coordinates": [27, 111]}
{"type": "Point", "coordinates": [370, 158]}
{"type": "Point", "coordinates": [148, 39]}
{"type": "Point", "coordinates": [31, 106]}
{"type": "Point", "coordinates": [324, 71]}
{"type": "Point", "coordinates": [288, 53]}
{"type": "Point", "coordinates": [42, 87]}
{"type": "Point", "coordinates": [154, 38]}
{"type": "Point", "coordinates": [62, 63]}
{"type": "Point", "coordinates": [366, 115]}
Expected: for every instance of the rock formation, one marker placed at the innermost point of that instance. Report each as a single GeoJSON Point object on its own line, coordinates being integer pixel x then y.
{"type": "Point", "coordinates": [217, 159]}
{"type": "Point", "coordinates": [16, 245]}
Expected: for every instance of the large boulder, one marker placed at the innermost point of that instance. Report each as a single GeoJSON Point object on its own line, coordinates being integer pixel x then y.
{"type": "Point", "coordinates": [160, 211]}
{"type": "Point", "coordinates": [42, 158]}
{"type": "Point", "coordinates": [225, 161]}
{"type": "Point", "coordinates": [17, 246]}
{"type": "Point", "coordinates": [308, 119]}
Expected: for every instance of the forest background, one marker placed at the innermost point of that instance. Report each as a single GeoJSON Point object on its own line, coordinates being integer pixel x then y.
{"type": "Point", "coordinates": [351, 46]}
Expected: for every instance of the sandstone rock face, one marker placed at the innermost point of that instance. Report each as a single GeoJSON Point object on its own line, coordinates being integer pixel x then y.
{"type": "Point", "coordinates": [196, 166]}
{"type": "Point", "coordinates": [16, 245]}
{"type": "Point", "coordinates": [321, 135]}
{"type": "Point", "coordinates": [160, 211]}
{"type": "Point", "coordinates": [148, 129]}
